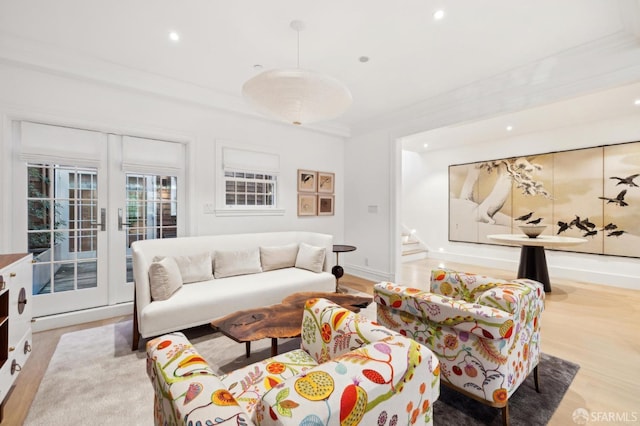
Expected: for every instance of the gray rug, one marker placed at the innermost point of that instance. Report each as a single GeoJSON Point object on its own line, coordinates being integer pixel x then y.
{"type": "Point", "coordinates": [526, 406]}
{"type": "Point", "coordinates": [94, 378]}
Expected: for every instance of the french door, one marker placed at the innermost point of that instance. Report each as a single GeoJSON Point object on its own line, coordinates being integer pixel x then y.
{"type": "Point", "coordinates": [86, 201]}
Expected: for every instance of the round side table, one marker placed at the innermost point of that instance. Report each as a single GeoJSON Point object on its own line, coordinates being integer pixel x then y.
{"type": "Point", "coordinates": [533, 262]}
{"type": "Point", "coordinates": [337, 270]}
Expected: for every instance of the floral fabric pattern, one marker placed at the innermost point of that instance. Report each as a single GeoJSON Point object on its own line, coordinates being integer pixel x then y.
{"type": "Point", "coordinates": [349, 371]}
{"type": "Point", "coordinates": [484, 331]}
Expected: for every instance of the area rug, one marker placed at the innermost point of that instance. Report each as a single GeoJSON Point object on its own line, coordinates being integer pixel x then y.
{"type": "Point", "coordinates": [94, 378]}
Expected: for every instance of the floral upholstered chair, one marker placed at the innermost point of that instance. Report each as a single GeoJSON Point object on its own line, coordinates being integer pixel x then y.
{"type": "Point", "coordinates": [348, 371]}
{"type": "Point", "coordinates": [484, 331]}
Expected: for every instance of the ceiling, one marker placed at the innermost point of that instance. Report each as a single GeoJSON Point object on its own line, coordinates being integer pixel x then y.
{"type": "Point", "coordinates": [412, 57]}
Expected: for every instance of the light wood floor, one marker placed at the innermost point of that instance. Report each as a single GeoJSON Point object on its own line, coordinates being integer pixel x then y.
{"type": "Point", "coordinates": [594, 326]}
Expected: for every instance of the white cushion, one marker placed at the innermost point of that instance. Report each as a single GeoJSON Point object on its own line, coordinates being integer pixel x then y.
{"type": "Point", "coordinates": [237, 262]}
{"type": "Point", "coordinates": [193, 268]}
{"type": "Point", "coordinates": [278, 257]}
{"type": "Point", "coordinates": [164, 278]}
{"type": "Point", "coordinates": [310, 257]}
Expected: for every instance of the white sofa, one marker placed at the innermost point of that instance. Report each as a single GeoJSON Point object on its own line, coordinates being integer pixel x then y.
{"type": "Point", "coordinates": [199, 302]}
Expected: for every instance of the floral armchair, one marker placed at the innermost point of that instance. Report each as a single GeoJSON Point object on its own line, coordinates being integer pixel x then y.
{"type": "Point", "coordinates": [348, 371]}
{"type": "Point", "coordinates": [484, 331]}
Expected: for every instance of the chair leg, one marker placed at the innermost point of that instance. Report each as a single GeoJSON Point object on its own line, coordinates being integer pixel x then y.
{"type": "Point", "coordinates": [505, 414]}
{"type": "Point", "coordinates": [536, 378]}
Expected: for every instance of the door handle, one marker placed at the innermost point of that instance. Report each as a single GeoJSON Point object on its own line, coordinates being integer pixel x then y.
{"type": "Point", "coordinates": [121, 223]}
{"type": "Point", "coordinates": [103, 220]}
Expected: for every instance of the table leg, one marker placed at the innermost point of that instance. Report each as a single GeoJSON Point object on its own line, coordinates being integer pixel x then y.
{"type": "Point", "coordinates": [274, 346]}
{"type": "Point", "coordinates": [247, 347]}
{"type": "Point", "coordinates": [338, 272]}
{"type": "Point", "coordinates": [533, 265]}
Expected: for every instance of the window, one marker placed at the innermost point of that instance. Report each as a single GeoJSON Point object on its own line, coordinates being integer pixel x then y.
{"type": "Point", "coordinates": [247, 182]}
{"type": "Point", "coordinates": [152, 210]}
{"type": "Point", "coordinates": [249, 189]}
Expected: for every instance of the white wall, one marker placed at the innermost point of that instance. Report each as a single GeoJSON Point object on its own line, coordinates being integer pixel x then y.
{"type": "Point", "coordinates": [425, 200]}
{"type": "Point", "coordinates": [55, 99]}
{"type": "Point", "coordinates": [369, 207]}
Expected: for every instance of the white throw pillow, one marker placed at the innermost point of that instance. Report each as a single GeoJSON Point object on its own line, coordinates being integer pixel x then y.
{"type": "Point", "coordinates": [164, 278]}
{"type": "Point", "coordinates": [236, 262]}
{"type": "Point", "coordinates": [310, 257]}
{"type": "Point", "coordinates": [195, 268]}
{"type": "Point", "coordinates": [278, 257]}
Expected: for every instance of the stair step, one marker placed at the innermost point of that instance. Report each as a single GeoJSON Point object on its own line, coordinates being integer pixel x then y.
{"type": "Point", "coordinates": [414, 251]}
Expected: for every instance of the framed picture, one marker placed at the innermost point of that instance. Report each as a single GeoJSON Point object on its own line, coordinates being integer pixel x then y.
{"type": "Point", "coordinates": [307, 180]}
{"type": "Point", "coordinates": [326, 182]}
{"type": "Point", "coordinates": [325, 205]}
{"type": "Point", "coordinates": [307, 205]}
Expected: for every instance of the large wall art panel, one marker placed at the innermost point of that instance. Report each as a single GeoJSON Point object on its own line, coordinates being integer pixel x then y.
{"type": "Point", "coordinates": [591, 193]}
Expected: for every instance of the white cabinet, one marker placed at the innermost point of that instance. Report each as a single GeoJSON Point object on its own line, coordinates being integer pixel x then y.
{"type": "Point", "coordinates": [15, 318]}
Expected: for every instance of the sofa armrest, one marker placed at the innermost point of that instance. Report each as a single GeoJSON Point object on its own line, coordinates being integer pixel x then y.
{"type": "Point", "coordinates": [328, 330]}
{"type": "Point", "coordinates": [186, 390]}
{"type": "Point", "coordinates": [484, 321]}
{"type": "Point", "coordinates": [391, 378]}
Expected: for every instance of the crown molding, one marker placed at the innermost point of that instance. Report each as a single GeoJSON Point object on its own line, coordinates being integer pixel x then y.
{"type": "Point", "coordinates": [604, 63]}
{"type": "Point", "coordinates": [30, 54]}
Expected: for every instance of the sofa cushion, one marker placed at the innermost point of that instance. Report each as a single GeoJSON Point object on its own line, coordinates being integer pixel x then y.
{"type": "Point", "coordinates": [193, 268]}
{"type": "Point", "coordinates": [164, 278]}
{"type": "Point", "coordinates": [229, 263]}
{"type": "Point", "coordinates": [310, 257]}
{"type": "Point", "coordinates": [278, 257]}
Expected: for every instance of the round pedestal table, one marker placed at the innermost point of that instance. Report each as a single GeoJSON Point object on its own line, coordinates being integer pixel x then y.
{"type": "Point", "coordinates": [533, 263]}
{"type": "Point", "coordinates": [337, 270]}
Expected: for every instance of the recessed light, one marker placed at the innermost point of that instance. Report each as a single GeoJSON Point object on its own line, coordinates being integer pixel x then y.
{"type": "Point", "coordinates": [509, 128]}
{"type": "Point", "coordinates": [257, 67]}
{"type": "Point", "coordinates": [637, 102]}
{"type": "Point", "coordinates": [174, 36]}
{"type": "Point", "coordinates": [363, 59]}
{"type": "Point", "coordinates": [426, 145]}
{"type": "Point", "coordinates": [438, 14]}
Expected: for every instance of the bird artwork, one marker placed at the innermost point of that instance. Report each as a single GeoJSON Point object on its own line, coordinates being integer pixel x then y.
{"type": "Point", "coordinates": [609, 227]}
{"type": "Point", "coordinates": [615, 233]}
{"type": "Point", "coordinates": [618, 200]}
{"type": "Point", "coordinates": [574, 222]}
{"type": "Point", "coordinates": [626, 181]}
{"type": "Point", "coordinates": [581, 226]}
{"type": "Point", "coordinates": [535, 221]}
{"type": "Point", "coordinates": [562, 226]}
{"type": "Point", "coordinates": [524, 217]}
{"type": "Point", "coordinates": [590, 233]}
{"type": "Point", "coordinates": [587, 223]}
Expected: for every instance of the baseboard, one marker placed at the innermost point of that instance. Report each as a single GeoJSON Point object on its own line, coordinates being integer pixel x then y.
{"type": "Point", "coordinates": [367, 273]}
{"type": "Point", "coordinates": [609, 278]}
{"type": "Point", "coordinates": [79, 317]}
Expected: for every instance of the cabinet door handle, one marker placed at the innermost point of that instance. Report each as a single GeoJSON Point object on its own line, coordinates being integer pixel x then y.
{"type": "Point", "coordinates": [12, 348]}
{"type": "Point", "coordinates": [22, 300]}
{"type": "Point", "coordinates": [12, 275]}
{"type": "Point", "coordinates": [15, 367]}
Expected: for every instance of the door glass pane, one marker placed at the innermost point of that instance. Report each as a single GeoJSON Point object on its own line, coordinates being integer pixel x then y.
{"type": "Point", "coordinates": [152, 210]}
{"type": "Point", "coordinates": [62, 205]}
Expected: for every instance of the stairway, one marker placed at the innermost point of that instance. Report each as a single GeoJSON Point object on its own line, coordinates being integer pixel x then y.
{"type": "Point", "coordinates": [412, 248]}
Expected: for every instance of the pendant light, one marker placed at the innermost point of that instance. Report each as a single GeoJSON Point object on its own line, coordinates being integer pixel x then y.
{"type": "Point", "coordinates": [296, 95]}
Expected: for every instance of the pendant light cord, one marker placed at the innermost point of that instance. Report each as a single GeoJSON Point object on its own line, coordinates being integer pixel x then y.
{"type": "Point", "coordinates": [298, 31]}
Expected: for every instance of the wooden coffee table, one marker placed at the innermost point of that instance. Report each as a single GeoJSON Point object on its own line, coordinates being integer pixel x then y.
{"type": "Point", "coordinates": [282, 320]}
